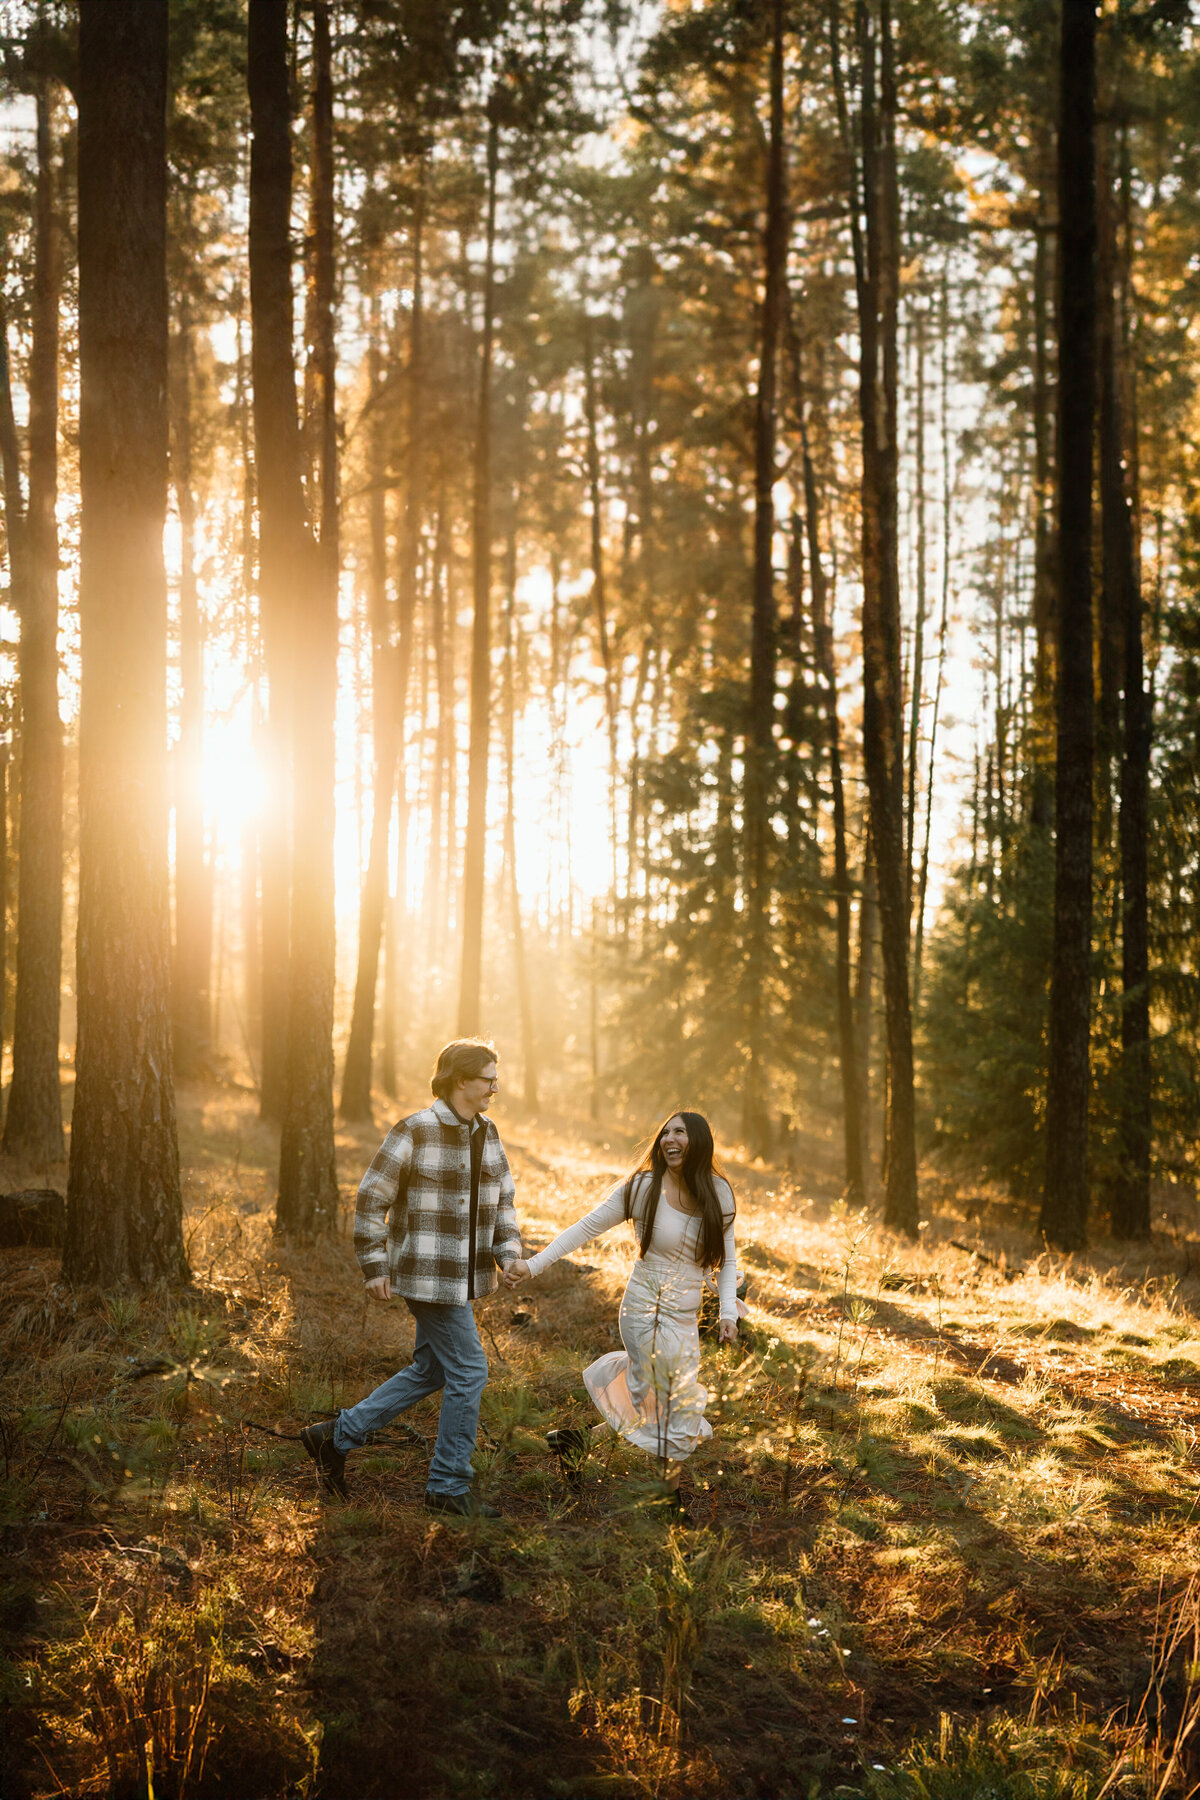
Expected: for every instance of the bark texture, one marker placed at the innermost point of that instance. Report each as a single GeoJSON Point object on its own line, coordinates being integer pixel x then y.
{"type": "Point", "coordinates": [475, 848]}
{"type": "Point", "coordinates": [308, 1193]}
{"type": "Point", "coordinates": [876, 257]}
{"type": "Point", "coordinates": [1130, 1199]}
{"type": "Point", "coordinates": [284, 545]}
{"type": "Point", "coordinates": [760, 724]}
{"type": "Point", "coordinates": [823, 653]}
{"type": "Point", "coordinates": [33, 1122]}
{"type": "Point", "coordinates": [124, 1217]}
{"type": "Point", "coordinates": [1065, 1200]}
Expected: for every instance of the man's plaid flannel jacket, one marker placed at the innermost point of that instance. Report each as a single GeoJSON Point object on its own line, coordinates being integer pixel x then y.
{"type": "Point", "coordinates": [421, 1175]}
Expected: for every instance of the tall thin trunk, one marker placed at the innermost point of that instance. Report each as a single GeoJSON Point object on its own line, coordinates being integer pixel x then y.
{"type": "Point", "coordinates": [1065, 1201]}
{"type": "Point", "coordinates": [599, 589]}
{"type": "Point", "coordinates": [864, 995]}
{"type": "Point", "coordinates": [391, 993]}
{"type": "Point", "coordinates": [356, 1075]}
{"type": "Point", "coordinates": [877, 276]}
{"type": "Point", "coordinates": [124, 1210]}
{"type": "Point", "coordinates": [410, 554]}
{"type": "Point", "coordinates": [633, 896]}
{"type": "Point", "coordinates": [284, 543]}
{"type": "Point", "coordinates": [193, 891]}
{"type": "Point", "coordinates": [760, 723]}
{"type": "Point", "coordinates": [33, 1124]}
{"type": "Point", "coordinates": [435, 888]}
{"type": "Point", "coordinates": [308, 1193]}
{"type": "Point", "coordinates": [450, 688]}
{"type": "Point", "coordinates": [594, 1012]}
{"type": "Point", "coordinates": [1116, 529]}
{"type": "Point", "coordinates": [642, 312]}
{"type": "Point", "coordinates": [529, 1060]}
{"type": "Point", "coordinates": [1130, 1203]}
{"type": "Point", "coordinates": [389, 670]}
{"type": "Point", "coordinates": [943, 629]}
{"type": "Point", "coordinates": [918, 648]}
{"type": "Point", "coordinates": [248, 868]}
{"type": "Point", "coordinates": [823, 648]}
{"type": "Point", "coordinates": [1041, 805]}
{"type": "Point", "coordinates": [475, 854]}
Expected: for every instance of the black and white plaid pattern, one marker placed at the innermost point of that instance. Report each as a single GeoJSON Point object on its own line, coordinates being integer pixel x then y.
{"type": "Point", "coordinates": [421, 1176]}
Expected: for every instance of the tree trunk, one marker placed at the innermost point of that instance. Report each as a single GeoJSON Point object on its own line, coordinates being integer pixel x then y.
{"type": "Point", "coordinates": [529, 1062]}
{"type": "Point", "coordinates": [1041, 805]}
{"type": "Point", "coordinates": [864, 996]}
{"type": "Point", "coordinates": [594, 1014]}
{"type": "Point", "coordinates": [760, 724]}
{"type": "Point", "coordinates": [33, 1124]}
{"type": "Point", "coordinates": [308, 1193]}
{"type": "Point", "coordinates": [918, 649]}
{"type": "Point", "coordinates": [410, 555]}
{"type": "Point", "coordinates": [1130, 1205]}
{"type": "Point", "coordinates": [1116, 527]}
{"type": "Point", "coordinates": [943, 627]}
{"type": "Point", "coordinates": [193, 890]}
{"type": "Point", "coordinates": [284, 546]}
{"type": "Point", "coordinates": [248, 867]}
{"type": "Point", "coordinates": [599, 594]}
{"type": "Point", "coordinates": [435, 887]}
{"type": "Point", "coordinates": [852, 1131]}
{"type": "Point", "coordinates": [391, 992]}
{"type": "Point", "coordinates": [475, 850]}
{"type": "Point", "coordinates": [877, 276]}
{"type": "Point", "coordinates": [124, 1212]}
{"type": "Point", "coordinates": [356, 1077]}
{"type": "Point", "coordinates": [1065, 1200]}
{"type": "Point", "coordinates": [452, 889]}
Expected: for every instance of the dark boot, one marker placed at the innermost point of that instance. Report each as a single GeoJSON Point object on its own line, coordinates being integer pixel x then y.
{"type": "Point", "coordinates": [331, 1462]}
{"type": "Point", "coordinates": [570, 1443]}
{"type": "Point", "coordinates": [462, 1506]}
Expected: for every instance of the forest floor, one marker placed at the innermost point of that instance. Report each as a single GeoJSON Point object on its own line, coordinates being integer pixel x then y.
{"type": "Point", "coordinates": [944, 1537]}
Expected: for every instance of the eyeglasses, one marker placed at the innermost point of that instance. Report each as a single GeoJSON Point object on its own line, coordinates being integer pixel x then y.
{"type": "Point", "coordinates": [487, 1081]}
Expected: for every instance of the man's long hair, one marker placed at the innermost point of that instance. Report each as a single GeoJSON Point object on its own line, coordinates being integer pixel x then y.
{"type": "Point", "coordinates": [696, 1176]}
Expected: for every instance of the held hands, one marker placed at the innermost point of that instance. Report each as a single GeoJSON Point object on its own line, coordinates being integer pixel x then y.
{"type": "Point", "coordinates": [727, 1331]}
{"type": "Point", "coordinates": [380, 1288]}
{"type": "Point", "coordinates": [515, 1272]}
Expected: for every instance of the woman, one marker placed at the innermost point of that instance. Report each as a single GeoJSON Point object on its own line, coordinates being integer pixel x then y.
{"type": "Point", "coordinates": [683, 1210]}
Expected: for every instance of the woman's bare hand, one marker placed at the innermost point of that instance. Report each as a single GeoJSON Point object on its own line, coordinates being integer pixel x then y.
{"type": "Point", "coordinates": [727, 1330]}
{"type": "Point", "coordinates": [515, 1272]}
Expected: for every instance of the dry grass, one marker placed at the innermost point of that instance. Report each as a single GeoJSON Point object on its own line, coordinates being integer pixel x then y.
{"type": "Point", "coordinates": [946, 1528]}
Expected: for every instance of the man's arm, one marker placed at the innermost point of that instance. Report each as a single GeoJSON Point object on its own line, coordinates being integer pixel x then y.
{"type": "Point", "coordinates": [378, 1192]}
{"type": "Point", "coordinates": [506, 1235]}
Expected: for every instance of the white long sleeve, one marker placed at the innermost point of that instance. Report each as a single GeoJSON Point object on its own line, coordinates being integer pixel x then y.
{"type": "Point", "coordinates": [609, 1212]}
{"type": "Point", "coordinates": [727, 1279]}
{"type": "Point", "coordinates": [674, 1233]}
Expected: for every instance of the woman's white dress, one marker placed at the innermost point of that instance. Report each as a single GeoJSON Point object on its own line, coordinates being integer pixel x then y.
{"type": "Point", "coordinates": [651, 1391]}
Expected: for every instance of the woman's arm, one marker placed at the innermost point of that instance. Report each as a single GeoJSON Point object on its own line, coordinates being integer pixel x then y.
{"type": "Point", "coordinates": [609, 1212]}
{"type": "Point", "coordinates": [727, 1279]}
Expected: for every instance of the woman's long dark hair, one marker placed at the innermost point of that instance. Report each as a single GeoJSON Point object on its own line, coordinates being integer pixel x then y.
{"type": "Point", "coordinates": [699, 1168]}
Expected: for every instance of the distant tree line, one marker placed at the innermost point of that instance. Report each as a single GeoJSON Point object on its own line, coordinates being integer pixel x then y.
{"type": "Point", "coordinates": [714, 375]}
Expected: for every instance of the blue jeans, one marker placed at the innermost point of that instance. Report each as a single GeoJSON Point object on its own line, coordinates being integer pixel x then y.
{"type": "Point", "coordinates": [447, 1356]}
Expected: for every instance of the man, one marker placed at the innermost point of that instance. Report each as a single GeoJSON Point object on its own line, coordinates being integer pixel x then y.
{"type": "Point", "coordinates": [443, 1177]}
